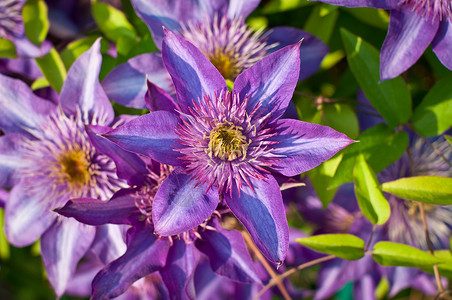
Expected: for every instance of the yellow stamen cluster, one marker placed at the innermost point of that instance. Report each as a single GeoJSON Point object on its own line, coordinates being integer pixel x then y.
{"type": "Point", "coordinates": [225, 63]}
{"type": "Point", "coordinates": [74, 168]}
{"type": "Point", "coordinates": [227, 142]}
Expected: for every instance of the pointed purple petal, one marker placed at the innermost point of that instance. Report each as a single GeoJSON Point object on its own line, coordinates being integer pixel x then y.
{"type": "Point", "coordinates": [181, 204]}
{"type": "Point", "coordinates": [10, 159]}
{"type": "Point", "coordinates": [151, 135]}
{"type": "Point", "coordinates": [21, 110]}
{"type": "Point", "coordinates": [262, 213]}
{"type": "Point", "coordinates": [126, 83]}
{"type": "Point", "coordinates": [108, 243]}
{"type": "Point", "coordinates": [303, 146]}
{"type": "Point", "coordinates": [158, 99]}
{"type": "Point", "coordinates": [312, 49]}
{"type": "Point", "coordinates": [80, 283]}
{"type": "Point", "coordinates": [271, 81]}
{"type": "Point", "coordinates": [180, 264]}
{"type": "Point", "coordinates": [442, 44]}
{"type": "Point", "coordinates": [24, 66]}
{"type": "Point", "coordinates": [25, 48]}
{"type": "Point", "coordinates": [385, 4]}
{"type": "Point", "coordinates": [408, 36]}
{"type": "Point", "coordinates": [241, 9]}
{"type": "Point", "coordinates": [62, 246]}
{"type": "Point", "coordinates": [193, 74]}
{"type": "Point", "coordinates": [228, 254]}
{"type": "Point", "coordinates": [365, 288]}
{"type": "Point", "coordinates": [129, 165]}
{"type": "Point", "coordinates": [82, 90]}
{"type": "Point", "coordinates": [121, 209]}
{"type": "Point", "coordinates": [145, 254]}
{"type": "Point", "coordinates": [27, 214]}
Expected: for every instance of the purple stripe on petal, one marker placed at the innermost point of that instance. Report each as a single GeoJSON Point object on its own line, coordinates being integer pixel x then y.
{"type": "Point", "coordinates": [271, 81]}
{"type": "Point", "coordinates": [303, 146]}
{"type": "Point", "coordinates": [10, 159]}
{"type": "Point", "coordinates": [240, 8]}
{"type": "Point", "coordinates": [151, 135]}
{"type": "Point", "coordinates": [442, 44]}
{"type": "Point", "coordinates": [228, 254]}
{"type": "Point", "coordinates": [145, 254]}
{"type": "Point", "coordinates": [365, 287]}
{"type": "Point", "coordinates": [82, 90]}
{"type": "Point", "coordinates": [385, 4]}
{"type": "Point", "coordinates": [181, 204]}
{"type": "Point", "coordinates": [262, 212]}
{"type": "Point", "coordinates": [27, 215]}
{"type": "Point", "coordinates": [180, 265]}
{"type": "Point", "coordinates": [158, 99]}
{"type": "Point", "coordinates": [408, 36]}
{"type": "Point", "coordinates": [62, 246]}
{"type": "Point", "coordinates": [21, 110]}
{"type": "Point", "coordinates": [193, 74]}
{"type": "Point", "coordinates": [129, 165]}
{"type": "Point", "coordinates": [121, 209]}
{"type": "Point", "coordinates": [108, 243]}
{"type": "Point", "coordinates": [312, 49]}
{"type": "Point", "coordinates": [126, 83]}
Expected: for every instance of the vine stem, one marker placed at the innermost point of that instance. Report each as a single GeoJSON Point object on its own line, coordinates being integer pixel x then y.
{"type": "Point", "coordinates": [266, 265]}
{"type": "Point", "coordinates": [278, 278]}
{"type": "Point", "coordinates": [430, 246]}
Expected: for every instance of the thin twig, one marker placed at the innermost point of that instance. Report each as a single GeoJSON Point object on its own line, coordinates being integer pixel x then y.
{"type": "Point", "coordinates": [266, 265]}
{"type": "Point", "coordinates": [278, 279]}
{"type": "Point", "coordinates": [370, 238]}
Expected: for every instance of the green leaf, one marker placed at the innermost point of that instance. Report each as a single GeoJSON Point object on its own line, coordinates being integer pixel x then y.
{"type": "Point", "coordinates": [275, 6]}
{"type": "Point", "coordinates": [394, 254]}
{"type": "Point", "coordinates": [35, 20]}
{"type": "Point", "coordinates": [375, 17]}
{"type": "Point", "coordinates": [4, 246]}
{"type": "Point", "coordinates": [321, 21]}
{"type": "Point", "coordinates": [321, 177]}
{"type": "Point", "coordinates": [112, 22]}
{"type": "Point", "coordinates": [434, 115]}
{"type": "Point", "coordinates": [445, 268]}
{"type": "Point", "coordinates": [53, 69]}
{"type": "Point", "coordinates": [341, 118]}
{"type": "Point", "coordinates": [257, 23]}
{"type": "Point", "coordinates": [75, 49]}
{"type": "Point", "coordinates": [39, 83]}
{"type": "Point", "coordinates": [373, 204]}
{"type": "Point", "coordinates": [7, 49]}
{"type": "Point", "coordinates": [448, 138]}
{"type": "Point", "coordinates": [345, 246]}
{"type": "Point", "coordinates": [380, 146]}
{"type": "Point", "coordinates": [427, 189]}
{"type": "Point", "coordinates": [390, 97]}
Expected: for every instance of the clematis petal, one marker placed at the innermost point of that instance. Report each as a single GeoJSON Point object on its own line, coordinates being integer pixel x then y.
{"type": "Point", "coordinates": [129, 165]}
{"type": "Point", "coordinates": [241, 9]}
{"type": "Point", "coordinates": [271, 81]}
{"type": "Point", "coordinates": [312, 49]}
{"type": "Point", "coordinates": [171, 14]}
{"type": "Point", "coordinates": [384, 4]}
{"type": "Point", "coordinates": [193, 74]}
{"type": "Point", "coordinates": [303, 146]}
{"type": "Point", "coordinates": [10, 159]}
{"type": "Point", "coordinates": [228, 254]}
{"type": "Point", "coordinates": [25, 48]}
{"type": "Point", "coordinates": [108, 243]}
{"type": "Point", "coordinates": [158, 99]}
{"type": "Point", "coordinates": [442, 44]}
{"type": "Point", "coordinates": [408, 36]}
{"type": "Point", "coordinates": [82, 90]}
{"type": "Point", "coordinates": [150, 135]}
{"type": "Point", "coordinates": [22, 111]}
{"type": "Point", "coordinates": [62, 246]}
{"type": "Point", "coordinates": [126, 83]}
{"type": "Point", "coordinates": [181, 204]}
{"type": "Point", "coordinates": [261, 211]}
{"type": "Point", "coordinates": [180, 265]}
{"type": "Point", "coordinates": [121, 209]}
{"type": "Point", "coordinates": [145, 254]}
{"type": "Point", "coordinates": [27, 214]}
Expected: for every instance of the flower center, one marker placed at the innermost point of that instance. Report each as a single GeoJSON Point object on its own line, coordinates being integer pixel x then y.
{"type": "Point", "coordinates": [225, 64]}
{"type": "Point", "coordinates": [431, 8]}
{"type": "Point", "coordinates": [74, 167]}
{"type": "Point", "coordinates": [227, 142]}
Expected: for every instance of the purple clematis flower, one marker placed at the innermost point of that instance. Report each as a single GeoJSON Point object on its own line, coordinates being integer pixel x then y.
{"type": "Point", "coordinates": [12, 28]}
{"type": "Point", "coordinates": [217, 28]}
{"type": "Point", "coordinates": [47, 158]}
{"type": "Point", "coordinates": [222, 143]}
{"type": "Point", "coordinates": [413, 25]}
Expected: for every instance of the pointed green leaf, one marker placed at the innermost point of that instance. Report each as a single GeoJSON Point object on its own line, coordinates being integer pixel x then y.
{"type": "Point", "coordinates": [275, 6]}
{"type": "Point", "coordinates": [53, 69]}
{"type": "Point", "coordinates": [445, 268]}
{"type": "Point", "coordinates": [375, 17]}
{"type": "Point", "coordinates": [390, 97]}
{"type": "Point", "coordinates": [394, 254]}
{"type": "Point", "coordinates": [112, 22]}
{"type": "Point", "coordinates": [7, 49]}
{"type": "Point", "coordinates": [373, 204]}
{"type": "Point", "coordinates": [35, 20]}
{"type": "Point", "coordinates": [345, 246]}
{"type": "Point", "coordinates": [434, 115]}
{"type": "Point", "coordinates": [341, 118]}
{"type": "Point", "coordinates": [322, 20]}
{"type": "Point", "coordinates": [427, 189]}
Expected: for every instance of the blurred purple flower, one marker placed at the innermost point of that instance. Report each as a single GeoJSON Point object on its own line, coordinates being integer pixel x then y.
{"type": "Point", "coordinates": [217, 28]}
{"type": "Point", "coordinates": [12, 28]}
{"type": "Point", "coordinates": [47, 158]}
{"type": "Point", "coordinates": [413, 25]}
{"type": "Point", "coordinates": [221, 143]}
